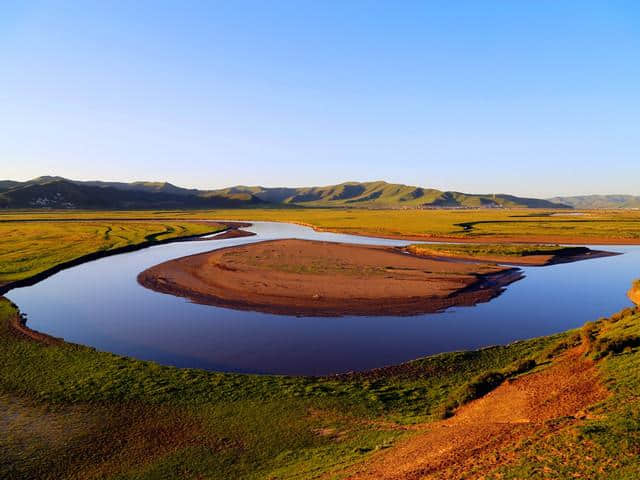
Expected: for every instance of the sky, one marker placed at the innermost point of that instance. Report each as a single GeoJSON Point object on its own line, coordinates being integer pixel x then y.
{"type": "Point", "coordinates": [530, 97]}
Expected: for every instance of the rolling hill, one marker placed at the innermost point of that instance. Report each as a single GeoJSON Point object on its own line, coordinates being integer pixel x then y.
{"type": "Point", "coordinates": [58, 192]}
{"type": "Point", "coordinates": [386, 195]}
{"type": "Point", "coordinates": [599, 201]}
{"type": "Point", "coordinates": [75, 195]}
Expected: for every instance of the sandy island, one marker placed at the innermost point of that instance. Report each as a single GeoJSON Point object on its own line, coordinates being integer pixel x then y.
{"type": "Point", "coordinates": [302, 277]}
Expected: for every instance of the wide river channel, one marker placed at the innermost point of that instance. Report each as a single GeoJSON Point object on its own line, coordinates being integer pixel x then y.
{"type": "Point", "coordinates": [100, 304]}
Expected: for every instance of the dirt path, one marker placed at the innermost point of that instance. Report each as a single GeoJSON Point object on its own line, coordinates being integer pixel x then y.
{"type": "Point", "coordinates": [477, 438]}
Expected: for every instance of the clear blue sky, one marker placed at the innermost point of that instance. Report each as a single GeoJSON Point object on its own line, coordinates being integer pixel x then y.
{"type": "Point", "coordinates": [538, 97]}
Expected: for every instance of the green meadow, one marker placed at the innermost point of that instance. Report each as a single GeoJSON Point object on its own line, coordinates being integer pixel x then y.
{"type": "Point", "coordinates": [28, 248]}
{"type": "Point", "coordinates": [488, 225]}
{"type": "Point", "coordinates": [70, 411]}
{"type": "Point", "coordinates": [73, 412]}
{"type": "Point", "coordinates": [79, 413]}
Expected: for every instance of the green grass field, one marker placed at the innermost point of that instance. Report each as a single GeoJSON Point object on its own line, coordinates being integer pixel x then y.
{"type": "Point", "coordinates": [68, 411]}
{"type": "Point", "coordinates": [29, 248]}
{"type": "Point", "coordinates": [489, 225]}
{"type": "Point", "coordinates": [105, 416]}
{"type": "Point", "coordinates": [72, 412]}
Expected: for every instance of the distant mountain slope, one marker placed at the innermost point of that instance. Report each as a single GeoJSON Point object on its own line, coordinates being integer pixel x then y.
{"type": "Point", "coordinates": [58, 192]}
{"type": "Point", "coordinates": [7, 185]}
{"type": "Point", "coordinates": [151, 187]}
{"type": "Point", "coordinates": [600, 201]}
{"type": "Point", "coordinates": [68, 194]}
{"type": "Point", "coordinates": [384, 195]}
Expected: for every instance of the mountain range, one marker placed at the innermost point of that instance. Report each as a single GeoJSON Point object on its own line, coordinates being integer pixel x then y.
{"type": "Point", "coordinates": [586, 202]}
{"type": "Point", "coordinates": [58, 192]}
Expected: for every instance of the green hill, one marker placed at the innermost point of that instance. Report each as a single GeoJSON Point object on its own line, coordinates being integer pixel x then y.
{"type": "Point", "coordinates": [72, 195]}
{"type": "Point", "coordinates": [150, 187]}
{"type": "Point", "coordinates": [386, 195]}
{"type": "Point", "coordinates": [58, 192]}
{"type": "Point", "coordinates": [600, 201]}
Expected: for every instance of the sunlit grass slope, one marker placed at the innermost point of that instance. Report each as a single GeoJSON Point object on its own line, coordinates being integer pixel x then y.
{"type": "Point", "coordinates": [472, 225]}
{"type": "Point", "coordinates": [29, 248]}
{"type": "Point", "coordinates": [68, 411]}
{"type": "Point", "coordinates": [606, 445]}
{"type": "Point", "coordinates": [90, 414]}
{"type": "Point", "coordinates": [488, 225]}
{"type": "Point", "coordinates": [72, 412]}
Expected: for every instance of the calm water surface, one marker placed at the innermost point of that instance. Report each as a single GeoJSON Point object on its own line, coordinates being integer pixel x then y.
{"type": "Point", "coordinates": [100, 304]}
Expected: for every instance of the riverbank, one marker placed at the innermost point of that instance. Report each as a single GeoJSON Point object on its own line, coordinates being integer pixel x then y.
{"type": "Point", "coordinates": [302, 277]}
{"type": "Point", "coordinates": [38, 269]}
{"type": "Point", "coordinates": [467, 236]}
{"type": "Point", "coordinates": [511, 414]}
{"type": "Point", "coordinates": [634, 292]}
{"type": "Point", "coordinates": [509, 254]}
{"type": "Point", "coordinates": [71, 411]}
{"type": "Point", "coordinates": [594, 227]}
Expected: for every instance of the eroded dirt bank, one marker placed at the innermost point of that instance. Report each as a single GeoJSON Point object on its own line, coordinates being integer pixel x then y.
{"type": "Point", "coordinates": [302, 277]}
{"type": "Point", "coordinates": [481, 435]}
{"type": "Point", "coordinates": [634, 292]}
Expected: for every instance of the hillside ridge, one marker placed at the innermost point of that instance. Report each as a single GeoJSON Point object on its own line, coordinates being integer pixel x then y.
{"type": "Point", "coordinates": [59, 192]}
{"type": "Point", "coordinates": [599, 201]}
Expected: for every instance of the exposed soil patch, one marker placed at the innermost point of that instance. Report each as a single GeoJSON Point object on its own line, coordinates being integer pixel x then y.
{"type": "Point", "coordinates": [18, 326]}
{"type": "Point", "coordinates": [302, 277]}
{"type": "Point", "coordinates": [634, 292]}
{"type": "Point", "coordinates": [478, 438]}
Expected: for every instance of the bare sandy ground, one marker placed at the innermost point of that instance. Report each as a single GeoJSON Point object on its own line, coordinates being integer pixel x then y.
{"type": "Point", "coordinates": [477, 439]}
{"type": "Point", "coordinates": [302, 277]}
{"type": "Point", "coordinates": [634, 294]}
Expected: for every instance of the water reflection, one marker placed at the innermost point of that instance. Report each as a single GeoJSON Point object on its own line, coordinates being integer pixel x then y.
{"type": "Point", "coordinates": [100, 304]}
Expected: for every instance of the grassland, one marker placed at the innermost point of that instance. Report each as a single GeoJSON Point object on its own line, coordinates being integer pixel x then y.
{"type": "Point", "coordinates": [607, 443]}
{"type": "Point", "coordinates": [72, 412]}
{"type": "Point", "coordinates": [489, 225]}
{"type": "Point", "coordinates": [68, 411]}
{"type": "Point", "coordinates": [78, 413]}
{"type": "Point", "coordinates": [466, 225]}
{"type": "Point", "coordinates": [30, 248]}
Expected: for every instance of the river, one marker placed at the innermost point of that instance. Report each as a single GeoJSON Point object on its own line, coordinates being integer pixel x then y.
{"type": "Point", "coordinates": [100, 304]}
